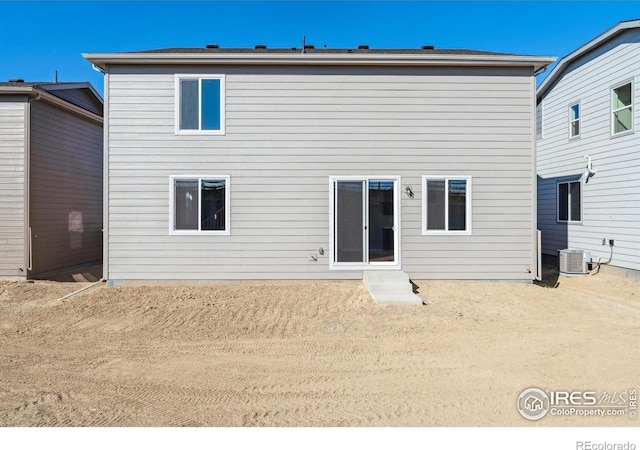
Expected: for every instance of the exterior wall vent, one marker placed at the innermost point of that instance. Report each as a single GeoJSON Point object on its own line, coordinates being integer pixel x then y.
{"type": "Point", "coordinates": [574, 262]}
{"type": "Point", "coordinates": [212, 46]}
{"type": "Point", "coordinates": [260, 47]}
{"type": "Point", "coordinates": [427, 47]}
{"type": "Point", "coordinates": [363, 47]}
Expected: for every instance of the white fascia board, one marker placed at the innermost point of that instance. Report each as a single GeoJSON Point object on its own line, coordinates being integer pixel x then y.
{"type": "Point", "coordinates": [16, 90]}
{"type": "Point", "coordinates": [564, 62]}
{"type": "Point", "coordinates": [347, 59]}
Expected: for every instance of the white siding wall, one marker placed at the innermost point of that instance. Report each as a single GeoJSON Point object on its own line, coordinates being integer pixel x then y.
{"type": "Point", "coordinates": [287, 131]}
{"type": "Point", "coordinates": [611, 199]}
{"type": "Point", "coordinates": [12, 187]}
{"type": "Point", "coordinates": [65, 188]}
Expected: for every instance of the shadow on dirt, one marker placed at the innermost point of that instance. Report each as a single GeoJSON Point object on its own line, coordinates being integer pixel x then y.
{"type": "Point", "coordinates": [550, 277]}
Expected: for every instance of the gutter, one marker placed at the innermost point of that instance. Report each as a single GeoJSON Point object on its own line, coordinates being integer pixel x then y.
{"type": "Point", "coordinates": [101, 60]}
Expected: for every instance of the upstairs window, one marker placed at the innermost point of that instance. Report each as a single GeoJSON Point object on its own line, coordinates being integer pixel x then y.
{"type": "Point", "coordinates": [622, 109]}
{"type": "Point", "coordinates": [200, 104]}
{"type": "Point", "coordinates": [570, 201]}
{"type": "Point", "coordinates": [446, 205]}
{"type": "Point", "coordinates": [574, 121]}
{"type": "Point", "coordinates": [539, 123]}
{"type": "Point", "coordinates": [200, 204]}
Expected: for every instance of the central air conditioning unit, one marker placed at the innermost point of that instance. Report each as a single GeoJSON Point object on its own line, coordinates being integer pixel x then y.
{"type": "Point", "coordinates": [574, 262]}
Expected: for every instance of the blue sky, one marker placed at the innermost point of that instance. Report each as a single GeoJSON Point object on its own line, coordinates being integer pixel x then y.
{"type": "Point", "coordinates": [38, 38]}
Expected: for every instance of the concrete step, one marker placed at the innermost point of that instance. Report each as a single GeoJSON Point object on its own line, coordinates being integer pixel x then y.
{"type": "Point", "coordinates": [385, 276]}
{"type": "Point", "coordinates": [396, 299]}
{"type": "Point", "coordinates": [390, 287]}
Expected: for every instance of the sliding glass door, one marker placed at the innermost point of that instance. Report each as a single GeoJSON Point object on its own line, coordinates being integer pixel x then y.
{"type": "Point", "coordinates": [365, 220]}
{"type": "Point", "coordinates": [350, 223]}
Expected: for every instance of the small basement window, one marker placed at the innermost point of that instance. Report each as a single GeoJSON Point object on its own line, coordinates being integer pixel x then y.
{"type": "Point", "coordinates": [199, 204]}
{"type": "Point", "coordinates": [446, 204]}
{"type": "Point", "coordinates": [200, 104]}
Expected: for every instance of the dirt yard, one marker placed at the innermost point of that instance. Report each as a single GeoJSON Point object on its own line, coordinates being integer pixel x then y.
{"type": "Point", "coordinates": [311, 353]}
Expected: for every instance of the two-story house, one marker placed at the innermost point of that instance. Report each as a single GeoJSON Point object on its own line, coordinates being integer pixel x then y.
{"type": "Point", "coordinates": [588, 150]}
{"type": "Point", "coordinates": [51, 166]}
{"type": "Point", "coordinates": [319, 163]}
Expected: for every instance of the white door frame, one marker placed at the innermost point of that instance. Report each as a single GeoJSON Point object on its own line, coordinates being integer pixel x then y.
{"type": "Point", "coordinates": [376, 265]}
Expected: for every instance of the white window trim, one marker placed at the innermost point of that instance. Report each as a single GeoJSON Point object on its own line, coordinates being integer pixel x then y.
{"type": "Point", "coordinates": [540, 136]}
{"type": "Point", "coordinates": [613, 111]}
{"type": "Point", "coordinates": [227, 207]}
{"type": "Point", "coordinates": [468, 218]}
{"type": "Point", "coordinates": [393, 265]}
{"type": "Point", "coordinates": [177, 109]}
{"type": "Point", "coordinates": [569, 201]}
{"type": "Point", "coordinates": [571, 122]}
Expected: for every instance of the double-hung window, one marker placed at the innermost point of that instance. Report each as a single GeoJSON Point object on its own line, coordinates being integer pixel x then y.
{"type": "Point", "coordinates": [446, 204]}
{"type": "Point", "coordinates": [622, 109]}
{"type": "Point", "coordinates": [199, 204]}
{"type": "Point", "coordinates": [200, 104]}
{"type": "Point", "coordinates": [574, 120]}
{"type": "Point", "coordinates": [570, 201]}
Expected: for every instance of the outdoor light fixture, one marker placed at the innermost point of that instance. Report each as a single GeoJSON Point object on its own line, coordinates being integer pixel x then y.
{"type": "Point", "coordinates": [409, 191]}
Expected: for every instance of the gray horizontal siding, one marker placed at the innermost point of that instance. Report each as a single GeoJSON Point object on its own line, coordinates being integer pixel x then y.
{"type": "Point", "coordinates": [611, 199]}
{"type": "Point", "coordinates": [287, 131]}
{"type": "Point", "coordinates": [12, 188]}
{"type": "Point", "coordinates": [66, 180]}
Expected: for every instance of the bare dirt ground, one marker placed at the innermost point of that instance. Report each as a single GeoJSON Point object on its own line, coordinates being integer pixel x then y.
{"type": "Point", "coordinates": [311, 353]}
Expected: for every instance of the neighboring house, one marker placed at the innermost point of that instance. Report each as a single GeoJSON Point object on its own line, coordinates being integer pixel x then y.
{"type": "Point", "coordinates": [587, 106]}
{"type": "Point", "coordinates": [50, 177]}
{"type": "Point", "coordinates": [319, 164]}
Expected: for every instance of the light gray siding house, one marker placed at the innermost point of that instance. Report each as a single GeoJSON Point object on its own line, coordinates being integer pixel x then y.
{"type": "Point", "coordinates": [319, 164]}
{"type": "Point", "coordinates": [50, 177]}
{"type": "Point", "coordinates": [588, 107]}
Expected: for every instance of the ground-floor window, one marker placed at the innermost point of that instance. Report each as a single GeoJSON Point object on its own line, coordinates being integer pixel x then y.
{"type": "Point", "coordinates": [199, 204]}
{"type": "Point", "coordinates": [446, 204]}
{"type": "Point", "coordinates": [570, 201]}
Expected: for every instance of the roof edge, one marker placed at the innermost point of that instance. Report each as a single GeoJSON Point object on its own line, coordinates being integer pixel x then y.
{"type": "Point", "coordinates": [102, 60]}
{"type": "Point", "coordinates": [51, 98]}
{"type": "Point", "coordinates": [594, 43]}
{"type": "Point", "coordinates": [72, 85]}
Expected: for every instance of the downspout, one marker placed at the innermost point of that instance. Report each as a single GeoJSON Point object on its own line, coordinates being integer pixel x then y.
{"type": "Point", "coordinates": [27, 177]}
{"type": "Point", "coordinates": [97, 69]}
{"type": "Point", "coordinates": [536, 266]}
{"type": "Point", "coordinates": [101, 280]}
{"type": "Point", "coordinates": [105, 173]}
{"type": "Point", "coordinates": [540, 71]}
{"type": "Point", "coordinates": [105, 181]}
